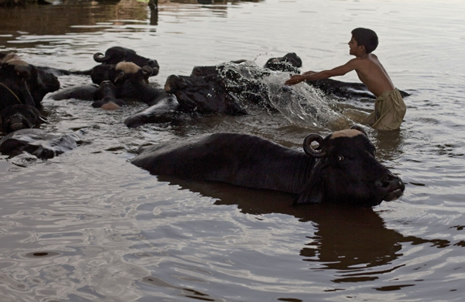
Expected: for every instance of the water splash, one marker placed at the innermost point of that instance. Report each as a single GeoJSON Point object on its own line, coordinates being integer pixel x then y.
{"type": "Point", "coordinates": [301, 104]}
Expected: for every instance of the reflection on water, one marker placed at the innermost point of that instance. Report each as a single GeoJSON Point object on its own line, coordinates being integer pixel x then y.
{"type": "Point", "coordinates": [89, 226]}
{"type": "Point", "coordinates": [346, 239]}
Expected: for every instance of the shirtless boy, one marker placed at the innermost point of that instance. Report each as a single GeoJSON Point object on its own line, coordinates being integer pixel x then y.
{"type": "Point", "coordinates": [389, 105]}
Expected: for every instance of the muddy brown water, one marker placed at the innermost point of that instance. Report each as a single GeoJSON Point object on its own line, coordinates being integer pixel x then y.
{"type": "Point", "coordinates": [89, 226]}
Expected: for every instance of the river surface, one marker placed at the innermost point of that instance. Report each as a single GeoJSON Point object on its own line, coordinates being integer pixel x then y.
{"type": "Point", "coordinates": [89, 226]}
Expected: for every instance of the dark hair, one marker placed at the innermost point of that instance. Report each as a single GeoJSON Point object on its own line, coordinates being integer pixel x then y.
{"type": "Point", "coordinates": [366, 37]}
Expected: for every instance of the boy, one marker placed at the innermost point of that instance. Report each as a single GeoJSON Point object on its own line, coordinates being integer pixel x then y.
{"type": "Point", "coordinates": [389, 105]}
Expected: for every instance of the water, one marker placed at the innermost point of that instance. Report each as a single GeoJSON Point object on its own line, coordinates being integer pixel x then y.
{"type": "Point", "coordinates": [89, 226]}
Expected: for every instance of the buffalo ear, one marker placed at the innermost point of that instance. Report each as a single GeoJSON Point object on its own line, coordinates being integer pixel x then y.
{"type": "Point", "coordinates": [313, 193]}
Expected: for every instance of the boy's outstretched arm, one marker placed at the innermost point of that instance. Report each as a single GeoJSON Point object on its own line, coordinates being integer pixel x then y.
{"type": "Point", "coordinates": [311, 75]}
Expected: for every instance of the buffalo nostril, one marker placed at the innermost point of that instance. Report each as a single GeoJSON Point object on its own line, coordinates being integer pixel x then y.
{"type": "Point", "coordinates": [386, 181]}
{"type": "Point", "coordinates": [380, 184]}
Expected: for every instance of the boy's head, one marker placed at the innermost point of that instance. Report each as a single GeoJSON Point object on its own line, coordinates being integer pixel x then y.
{"type": "Point", "coordinates": [365, 37]}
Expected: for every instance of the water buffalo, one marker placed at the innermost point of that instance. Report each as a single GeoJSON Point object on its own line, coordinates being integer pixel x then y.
{"type": "Point", "coordinates": [116, 54]}
{"type": "Point", "coordinates": [37, 142]}
{"type": "Point", "coordinates": [113, 56]}
{"type": "Point", "coordinates": [184, 94]}
{"type": "Point", "coordinates": [20, 116]}
{"type": "Point", "coordinates": [224, 88]}
{"type": "Point", "coordinates": [242, 79]}
{"type": "Point", "coordinates": [341, 169]}
{"type": "Point", "coordinates": [14, 88]}
{"type": "Point", "coordinates": [128, 82]}
{"type": "Point", "coordinates": [109, 60]}
{"type": "Point", "coordinates": [25, 82]}
{"type": "Point", "coordinates": [22, 88]}
{"type": "Point", "coordinates": [203, 94]}
{"type": "Point", "coordinates": [290, 62]}
{"type": "Point", "coordinates": [131, 82]}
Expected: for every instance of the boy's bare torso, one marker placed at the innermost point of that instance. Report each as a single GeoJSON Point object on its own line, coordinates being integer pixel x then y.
{"type": "Point", "coordinates": [373, 75]}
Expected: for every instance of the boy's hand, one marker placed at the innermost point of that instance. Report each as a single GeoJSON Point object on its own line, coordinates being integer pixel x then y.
{"type": "Point", "coordinates": [294, 80]}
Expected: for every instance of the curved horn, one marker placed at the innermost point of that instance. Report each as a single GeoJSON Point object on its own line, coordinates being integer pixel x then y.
{"type": "Point", "coordinates": [99, 57]}
{"type": "Point", "coordinates": [309, 150]}
{"type": "Point", "coordinates": [356, 127]}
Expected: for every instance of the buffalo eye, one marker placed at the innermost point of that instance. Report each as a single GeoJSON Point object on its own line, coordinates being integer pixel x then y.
{"type": "Point", "coordinates": [340, 158]}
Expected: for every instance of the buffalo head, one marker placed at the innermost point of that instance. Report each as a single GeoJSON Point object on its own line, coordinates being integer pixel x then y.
{"type": "Point", "coordinates": [20, 116]}
{"type": "Point", "coordinates": [27, 84]}
{"type": "Point", "coordinates": [347, 171]}
{"type": "Point", "coordinates": [14, 88]}
{"type": "Point", "coordinates": [129, 78]}
{"type": "Point", "coordinates": [116, 54]}
{"type": "Point", "coordinates": [290, 62]}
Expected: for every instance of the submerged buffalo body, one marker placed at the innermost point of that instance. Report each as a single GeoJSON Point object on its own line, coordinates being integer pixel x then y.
{"type": "Point", "coordinates": [37, 142]}
{"type": "Point", "coordinates": [202, 94]}
{"type": "Point", "coordinates": [342, 169]}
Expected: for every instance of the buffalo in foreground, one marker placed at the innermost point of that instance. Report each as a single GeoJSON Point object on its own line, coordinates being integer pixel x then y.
{"type": "Point", "coordinates": [341, 169]}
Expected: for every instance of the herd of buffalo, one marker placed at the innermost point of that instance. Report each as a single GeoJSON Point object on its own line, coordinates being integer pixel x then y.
{"type": "Point", "coordinates": [340, 168]}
